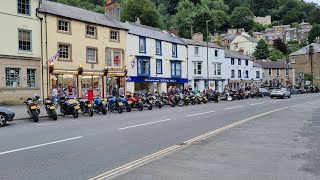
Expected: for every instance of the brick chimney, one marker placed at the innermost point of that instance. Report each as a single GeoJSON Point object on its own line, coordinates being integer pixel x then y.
{"type": "Point", "coordinates": [112, 9]}
{"type": "Point", "coordinates": [197, 37]}
{"type": "Point", "coordinates": [174, 30]}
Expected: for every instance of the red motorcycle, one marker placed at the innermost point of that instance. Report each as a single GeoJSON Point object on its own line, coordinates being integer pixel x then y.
{"type": "Point", "coordinates": [135, 102]}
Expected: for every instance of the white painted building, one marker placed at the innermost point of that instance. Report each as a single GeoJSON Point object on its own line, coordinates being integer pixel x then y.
{"type": "Point", "coordinates": [20, 50]}
{"type": "Point", "coordinates": [204, 72]}
{"type": "Point", "coordinates": [241, 71]}
{"type": "Point", "coordinates": [157, 59]}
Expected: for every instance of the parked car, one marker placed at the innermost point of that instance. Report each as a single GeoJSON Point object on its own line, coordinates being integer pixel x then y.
{"type": "Point", "coordinates": [280, 93]}
{"type": "Point", "coordinates": [6, 115]}
{"type": "Point", "coordinates": [264, 92]}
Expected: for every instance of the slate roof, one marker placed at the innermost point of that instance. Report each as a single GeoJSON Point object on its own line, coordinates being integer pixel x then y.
{"type": "Point", "coordinates": [305, 50]}
{"type": "Point", "coordinates": [151, 32]}
{"type": "Point", "coordinates": [78, 14]}
{"type": "Point", "coordinates": [230, 37]}
{"type": "Point", "coordinates": [250, 39]}
{"type": "Point", "coordinates": [236, 55]}
{"type": "Point", "coordinates": [256, 65]}
{"type": "Point", "coordinates": [203, 44]}
{"type": "Point", "coordinates": [273, 64]}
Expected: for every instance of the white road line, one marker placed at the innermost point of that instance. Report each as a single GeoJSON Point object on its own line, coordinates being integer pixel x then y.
{"type": "Point", "coordinates": [200, 113]}
{"type": "Point", "coordinates": [233, 107]}
{"type": "Point", "coordinates": [39, 145]}
{"type": "Point", "coordinates": [43, 124]}
{"type": "Point", "coordinates": [257, 103]}
{"type": "Point", "coordinates": [143, 124]}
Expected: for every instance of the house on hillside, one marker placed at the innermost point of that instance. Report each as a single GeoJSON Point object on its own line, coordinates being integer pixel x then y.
{"type": "Point", "coordinates": [243, 44]}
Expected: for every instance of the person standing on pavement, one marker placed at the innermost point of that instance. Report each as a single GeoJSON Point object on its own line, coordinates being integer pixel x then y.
{"type": "Point", "coordinates": [121, 91]}
{"type": "Point", "coordinates": [114, 92]}
{"type": "Point", "coordinates": [54, 95]}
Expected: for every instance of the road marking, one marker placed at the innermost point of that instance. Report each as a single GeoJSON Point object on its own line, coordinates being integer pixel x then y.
{"type": "Point", "coordinates": [143, 124]}
{"type": "Point", "coordinates": [151, 157]}
{"type": "Point", "coordinates": [40, 145]}
{"type": "Point", "coordinates": [200, 113]}
{"type": "Point", "coordinates": [43, 124]}
{"type": "Point", "coordinates": [233, 107]}
{"type": "Point", "coordinates": [257, 103]}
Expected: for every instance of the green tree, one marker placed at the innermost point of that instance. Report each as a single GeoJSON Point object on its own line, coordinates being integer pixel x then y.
{"type": "Point", "coordinates": [276, 54]}
{"type": "Point", "coordinates": [261, 50]}
{"type": "Point", "coordinates": [314, 32]}
{"type": "Point", "coordinates": [145, 10]}
{"type": "Point", "coordinates": [215, 5]}
{"type": "Point", "coordinates": [294, 15]}
{"type": "Point", "coordinates": [314, 16]}
{"type": "Point", "coordinates": [186, 10]}
{"type": "Point", "coordinates": [241, 17]}
{"type": "Point", "coordinates": [258, 27]}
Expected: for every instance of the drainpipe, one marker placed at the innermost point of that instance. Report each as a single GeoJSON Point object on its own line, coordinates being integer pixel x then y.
{"type": "Point", "coordinates": [41, 39]}
{"type": "Point", "coordinates": [45, 21]}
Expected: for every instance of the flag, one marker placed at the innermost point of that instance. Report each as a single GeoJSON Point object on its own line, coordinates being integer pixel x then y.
{"type": "Point", "coordinates": [55, 56]}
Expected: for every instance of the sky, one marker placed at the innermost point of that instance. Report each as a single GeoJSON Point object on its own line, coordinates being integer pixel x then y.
{"type": "Point", "coordinates": [316, 1]}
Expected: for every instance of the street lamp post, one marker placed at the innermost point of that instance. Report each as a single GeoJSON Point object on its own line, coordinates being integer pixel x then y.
{"type": "Point", "coordinates": [207, 51]}
{"type": "Point", "coordinates": [311, 51]}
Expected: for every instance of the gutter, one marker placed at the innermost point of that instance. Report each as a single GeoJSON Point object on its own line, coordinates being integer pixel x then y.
{"type": "Point", "coordinates": [42, 74]}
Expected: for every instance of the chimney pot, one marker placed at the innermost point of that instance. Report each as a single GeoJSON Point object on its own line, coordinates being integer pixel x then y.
{"type": "Point", "coordinates": [174, 30]}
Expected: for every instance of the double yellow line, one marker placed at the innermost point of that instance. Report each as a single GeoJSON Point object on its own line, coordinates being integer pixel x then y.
{"type": "Point", "coordinates": [146, 159]}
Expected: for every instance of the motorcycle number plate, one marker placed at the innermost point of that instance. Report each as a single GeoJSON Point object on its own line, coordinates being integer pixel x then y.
{"type": "Point", "coordinates": [89, 105]}
{"type": "Point", "coordinates": [104, 103]}
{"type": "Point", "coordinates": [33, 107]}
{"type": "Point", "coordinates": [120, 104]}
{"type": "Point", "coordinates": [151, 102]}
{"type": "Point", "coordinates": [52, 107]}
{"type": "Point", "coordinates": [77, 107]}
{"type": "Point", "coordinates": [129, 102]}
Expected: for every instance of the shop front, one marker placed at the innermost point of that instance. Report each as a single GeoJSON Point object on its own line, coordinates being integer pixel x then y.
{"type": "Point", "coordinates": [75, 84]}
{"type": "Point", "coordinates": [145, 84]}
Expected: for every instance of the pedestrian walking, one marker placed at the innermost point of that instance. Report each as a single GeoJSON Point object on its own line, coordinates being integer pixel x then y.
{"type": "Point", "coordinates": [54, 95]}
{"type": "Point", "coordinates": [121, 91]}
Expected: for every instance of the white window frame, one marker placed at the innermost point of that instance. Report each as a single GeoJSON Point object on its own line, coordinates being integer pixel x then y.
{"type": "Point", "coordinates": [196, 69]}
{"type": "Point", "coordinates": [91, 31]}
{"type": "Point", "coordinates": [196, 51]}
{"type": "Point", "coordinates": [217, 69]}
{"type": "Point", "coordinates": [65, 50]}
{"type": "Point", "coordinates": [257, 74]}
{"type": "Point", "coordinates": [64, 26]}
{"type": "Point", "coordinates": [13, 77]}
{"type": "Point", "coordinates": [286, 72]}
{"type": "Point", "coordinates": [246, 74]}
{"type": "Point", "coordinates": [31, 78]}
{"type": "Point", "coordinates": [114, 36]}
{"type": "Point", "coordinates": [24, 6]}
{"type": "Point", "coordinates": [270, 72]}
{"type": "Point", "coordinates": [278, 72]}
{"type": "Point", "coordinates": [23, 40]}
{"type": "Point", "coordinates": [110, 55]}
{"type": "Point", "coordinates": [92, 58]}
{"type": "Point", "coordinates": [239, 74]}
{"type": "Point", "coordinates": [233, 74]}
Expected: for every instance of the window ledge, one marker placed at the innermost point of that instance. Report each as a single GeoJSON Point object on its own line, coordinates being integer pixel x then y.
{"type": "Point", "coordinates": [18, 88]}
{"type": "Point", "coordinates": [25, 52]}
{"type": "Point", "coordinates": [64, 32]}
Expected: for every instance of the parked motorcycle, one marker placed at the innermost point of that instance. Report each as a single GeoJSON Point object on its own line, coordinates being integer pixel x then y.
{"type": "Point", "coordinates": [157, 100]}
{"type": "Point", "coordinates": [147, 102]}
{"type": "Point", "coordinates": [135, 102]}
{"type": "Point", "coordinates": [85, 106]}
{"type": "Point", "coordinates": [32, 108]}
{"type": "Point", "coordinates": [179, 99]}
{"type": "Point", "coordinates": [226, 96]}
{"type": "Point", "coordinates": [68, 108]}
{"type": "Point", "coordinates": [126, 103]}
{"type": "Point", "coordinates": [50, 108]}
{"type": "Point", "coordinates": [100, 106]}
{"type": "Point", "coordinates": [193, 99]}
{"type": "Point", "coordinates": [213, 96]}
{"type": "Point", "coordinates": [115, 104]}
{"type": "Point", "coordinates": [201, 98]}
{"type": "Point", "coordinates": [167, 100]}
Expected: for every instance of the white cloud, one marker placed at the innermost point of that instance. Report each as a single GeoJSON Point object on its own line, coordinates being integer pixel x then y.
{"type": "Point", "coordinates": [315, 1]}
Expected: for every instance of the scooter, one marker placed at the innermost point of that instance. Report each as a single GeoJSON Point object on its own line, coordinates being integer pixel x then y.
{"type": "Point", "coordinates": [32, 108]}
{"type": "Point", "coordinates": [100, 106]}
{"type": "Point", "coordinates": [67, 108]}
{"type": "Point", "coordinates": [50, 108]}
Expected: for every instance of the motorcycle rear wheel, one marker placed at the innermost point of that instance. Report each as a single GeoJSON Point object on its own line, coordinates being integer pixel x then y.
{"type": "Point", "coordinates": [75, 114]}
{"type": "Point", "coordinates": [104, 110]}
{"type": "Point", "coordinates": [54, 115]}
{"type": "Point", "coordinates": [90, 112]}
{"type": "Point", "coordinates": [35, 116]}
{"type": "Point", "coordinates": [120, 109]}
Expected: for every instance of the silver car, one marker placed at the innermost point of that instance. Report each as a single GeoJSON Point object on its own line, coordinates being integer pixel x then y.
{"type": "Point", "coordinates": [280, 93]}
{"type": "Point", "coordinates": [5, 116]}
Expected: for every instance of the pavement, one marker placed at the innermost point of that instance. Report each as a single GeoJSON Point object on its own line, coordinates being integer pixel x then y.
{"type": "Point", "coordinates": [22, 114]}
{"type": "Point", "coordinates": [283, 142]}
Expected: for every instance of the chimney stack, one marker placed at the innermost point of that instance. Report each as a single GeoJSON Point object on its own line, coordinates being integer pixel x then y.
{"type": "Point", "coordinates": [197, 37]}
{"type": "Point", "coordinates": [174, 30]}
{"type": "Point", "coordinates": [138, 21]}
{"type": "Point", "coordinates": [112, 9]}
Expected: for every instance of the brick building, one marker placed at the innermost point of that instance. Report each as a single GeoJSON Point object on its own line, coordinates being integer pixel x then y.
{"type": "Point", "coordinates": [301, 61]}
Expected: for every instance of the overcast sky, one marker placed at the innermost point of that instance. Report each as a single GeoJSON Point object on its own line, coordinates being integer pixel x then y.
{"type": "Point", "coordinates": [316, 1]}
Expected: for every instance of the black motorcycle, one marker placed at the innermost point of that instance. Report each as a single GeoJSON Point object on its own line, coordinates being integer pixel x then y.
{"type": "Point", "coordinates": [214, 96]}
{"type": "Point", "coordinates": [166, 100]}
{"type": "Point", "coordinates": [67, 108]}
{"type": "Point", "coordinates": [32, 108]}
{"type": "Point", "coordinates": [179, 99]}
{"type": "Point", "coordinates": [157, 101]}
{"type": "Point", "coordinates": [100, 106]}
{"type": "Point", "coordinates": [147, 101]}
{"type": "Point", "coordinates": [85, 106]}
{"type": "Point", "coordinates": [50, 108]}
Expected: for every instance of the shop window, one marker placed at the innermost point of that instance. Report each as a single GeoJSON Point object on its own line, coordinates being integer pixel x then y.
{"type": "Point", "coordinates": [143, 67]}
{"type": "Point", "coordinates": [159, 66]}
{"type": "Point", "coordinates": [65, 52]}
{"type": "Point", "coordinates": [24, 40]}
{"type": "Point", "coordinates": [176, 69]}
{"type": "Point", "coordinates": [13, 77]}
{"type": "Point", "coordinates": [92, 55]}
{"type": "Point", "coordinates": [114, 58]}
{"type": "Point", "coordinates": [31, 78]}
{"type": "Point", "coordinates": [24, 7]}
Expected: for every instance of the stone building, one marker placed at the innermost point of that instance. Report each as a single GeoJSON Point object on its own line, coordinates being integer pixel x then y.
{"type": "Point", "coordinates": [276, 73]}
{"type": "Point", "coordinates": [301, 61]}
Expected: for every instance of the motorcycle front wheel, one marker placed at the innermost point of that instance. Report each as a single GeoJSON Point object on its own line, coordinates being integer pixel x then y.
{"type": "Point", "coordinates": [120, 109]}
{"type": "Point", "coordinates": [54, 115]}
{"type": "Point", "coordinates": [90, 112]}
{"type": "Point", "coordinates": [104, 110]}
{"type": "Point", "coordinates": [150, 106]}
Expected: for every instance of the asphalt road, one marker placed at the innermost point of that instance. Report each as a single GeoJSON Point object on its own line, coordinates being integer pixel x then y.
{"type": "Point", "coordinates": [85, 147]}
